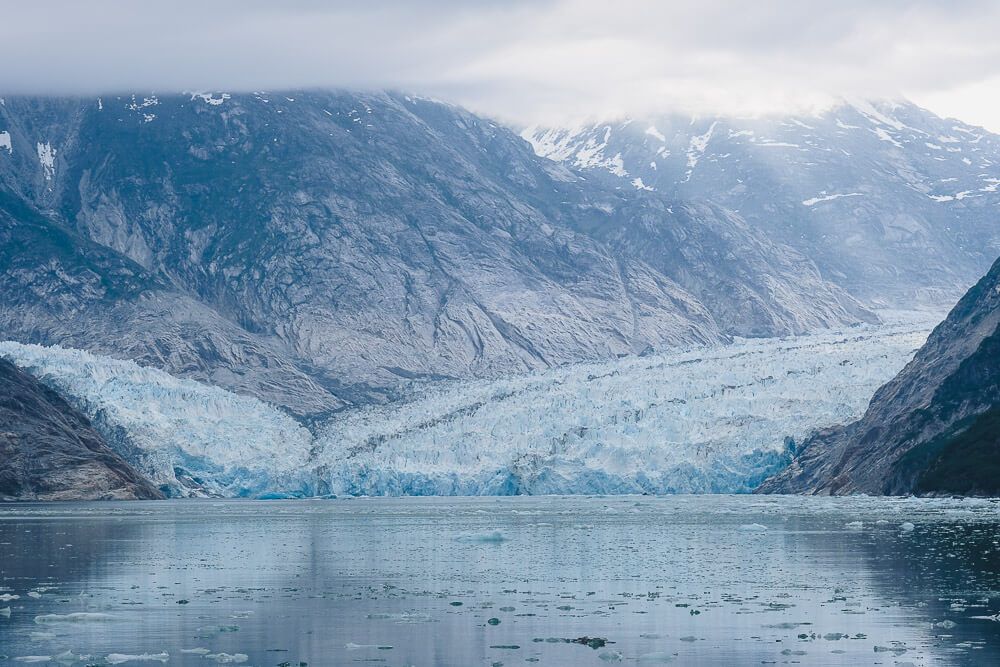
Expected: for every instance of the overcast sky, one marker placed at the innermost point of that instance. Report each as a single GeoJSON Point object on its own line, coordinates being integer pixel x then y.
{"type": "Point", "coordinates": [523, 61]}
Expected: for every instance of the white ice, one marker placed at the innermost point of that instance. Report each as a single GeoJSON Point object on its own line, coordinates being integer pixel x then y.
{"type": "Point", "coordinates": [226, 444]}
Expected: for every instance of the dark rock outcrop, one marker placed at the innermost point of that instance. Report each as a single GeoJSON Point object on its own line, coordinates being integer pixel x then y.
{"type": "Point", "coordinates": [49, 451]}
{"type": "Point", "coordinates": [935, 428]}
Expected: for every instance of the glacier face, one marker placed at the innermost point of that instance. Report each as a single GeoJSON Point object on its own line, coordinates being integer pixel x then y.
{"type": "Point", "coordinates": [185, 437]}
{"type": "Point", "coordinates": [701, 420]}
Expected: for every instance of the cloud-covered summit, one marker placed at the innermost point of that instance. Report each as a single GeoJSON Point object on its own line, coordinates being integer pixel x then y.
{"type": "Point", "coordinates": [551, 61]}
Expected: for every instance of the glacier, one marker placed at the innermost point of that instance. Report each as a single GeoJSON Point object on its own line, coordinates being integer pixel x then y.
{"type": "Point", "coordinates": [188, 438]}
{"type": "Point", "coordinates": [700, 420]}
{"type": "Point", "coordinates": [695, 420]}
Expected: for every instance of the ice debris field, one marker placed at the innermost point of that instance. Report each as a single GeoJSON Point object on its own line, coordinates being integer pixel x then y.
{"type": "Point", "coordinates": [718, 419]}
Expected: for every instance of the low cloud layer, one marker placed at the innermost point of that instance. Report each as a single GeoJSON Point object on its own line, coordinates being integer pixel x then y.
{"type": "Point", "coordinates": [523, 60]}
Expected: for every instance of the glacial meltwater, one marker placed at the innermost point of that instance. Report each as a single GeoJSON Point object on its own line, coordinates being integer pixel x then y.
{"type": "Point", "coordinates": [689, 580]}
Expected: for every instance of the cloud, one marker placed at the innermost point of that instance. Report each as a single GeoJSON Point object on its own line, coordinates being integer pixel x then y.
{"type": "Point", "coordinates": [522, 60]}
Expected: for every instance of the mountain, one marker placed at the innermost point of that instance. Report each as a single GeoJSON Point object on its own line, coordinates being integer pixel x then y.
{"type": "Point", "coordinates": [932, 429]}
{"type": "Point", "coordinates": [891, 202]}
{"type": "Point", "coordinates": [49, 451]}
{"type": "Point", "coordinates": [60, 287]}
{"type": "Point", "coordinates": [315, 249]}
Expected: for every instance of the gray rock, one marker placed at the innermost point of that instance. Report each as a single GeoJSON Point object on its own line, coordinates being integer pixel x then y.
{"type": "Point", "coordinates": [932, 429]}
{"type": "Point", "coordinates": [49, 451]}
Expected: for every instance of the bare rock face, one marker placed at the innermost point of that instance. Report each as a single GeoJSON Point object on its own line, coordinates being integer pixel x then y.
{"type": "Point", "coordinates": [891, 202]}
{"type": "Point", "coordinates": [49, 451]}
{"type": "Point", "coordinates": [935, 428]}
{"type": "Point", "coordinates": [317, 249]}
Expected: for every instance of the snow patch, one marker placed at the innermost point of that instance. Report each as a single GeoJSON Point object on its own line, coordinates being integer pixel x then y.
{"type": "Point", "coordinates": [210, 98]}
{"type": "Point", "coordinates": [653, 132]}
{"type": "Point", "coordinates": [867, 109]}
{"type": "Point", "coordinates": [825, 197]}
{"type": "Point", "coordinates": [696, 148]}
{"type": "Point", "coordinates": [47, 158]}
{"type": "Point", "coordinates": [885, 136]}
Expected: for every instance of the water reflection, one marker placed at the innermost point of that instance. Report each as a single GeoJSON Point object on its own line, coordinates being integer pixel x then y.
{"type": "Point", "coordinates": [704, 580]}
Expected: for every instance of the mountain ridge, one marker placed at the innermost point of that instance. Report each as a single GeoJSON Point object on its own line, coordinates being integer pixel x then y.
{"type": "Point", "coordinates": [315, 249]}
{"type": "Point", "coordinates": [890, 201]}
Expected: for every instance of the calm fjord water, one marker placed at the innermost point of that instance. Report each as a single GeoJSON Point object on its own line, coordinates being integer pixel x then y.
{"type": "Point", "coordinates": [705, 580]}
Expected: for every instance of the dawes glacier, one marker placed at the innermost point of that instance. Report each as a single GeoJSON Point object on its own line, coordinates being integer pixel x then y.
{"type": "Point", "coordinates": [702, 419]}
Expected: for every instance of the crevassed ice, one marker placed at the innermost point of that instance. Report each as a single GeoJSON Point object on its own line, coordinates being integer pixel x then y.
{"type": "Point", "coordinates": [701, 420]}
{"type": "Point", "coordinates": [186, 437]}
{"type": "Point", "coordinates": [698, 420]}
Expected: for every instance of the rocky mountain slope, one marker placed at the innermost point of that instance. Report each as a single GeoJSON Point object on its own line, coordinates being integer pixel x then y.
{"type": "Point", "coordinates": [314, 249]}
{"type": "Point", "coordinates": [49, 451]}
{"type": "Point", "coordinates": [891, 202]}
{"type": "Point", "coordinates": [932, 429]}
{"type": "Point", "coordinates": [60, 287]}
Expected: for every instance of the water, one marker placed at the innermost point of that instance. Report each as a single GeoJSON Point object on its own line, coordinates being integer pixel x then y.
{"type": "Point", "coordinates": [693, 580]}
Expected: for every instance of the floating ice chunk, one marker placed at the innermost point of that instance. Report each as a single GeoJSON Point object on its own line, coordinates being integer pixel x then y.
{"type": "Point", "coordinates": [196, 651]}
{"type": "Point", "coordinates": [855, 525]}
{"type": "Point", "coordinates": [906, 526]}
{"type": "Point", "coordinates": [753, 527]}
{"type": "Point", "coordinates": [228, 658]}
{"type": "Point", "coordinates": [33, 658]}
{"type": "Point", "coordinates": [78, 617]}
{"type": "Point", "coordinates": [68, 657]}
{"type": "Point", "coordinates": [351, 646]}
{"type": "Point", "coordinates": [610, 656]}
{"type": "Point", "coordinates": [5, 612]}
{"type": "Point", "coordinates": [402, 618]}
{"type": "Point", "coordinates": [119, 658]}
{"type": "Point", "coordinates": [495, 537]}
{"type": "Point", "coordinates": [7, 597]}
{"type": "Point", "coordinates": [34, 595]}
{"type": "Point", "coordinates": [5, 142]}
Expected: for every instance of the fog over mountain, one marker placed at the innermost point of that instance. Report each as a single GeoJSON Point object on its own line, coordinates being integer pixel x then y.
{"type": "Point", "coordinates": [551, 62]}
